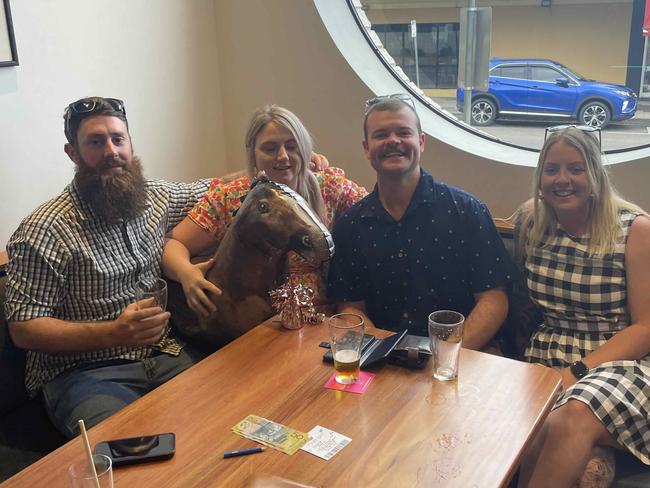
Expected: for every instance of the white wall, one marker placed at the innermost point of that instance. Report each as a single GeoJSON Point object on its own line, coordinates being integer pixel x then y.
{"type": "Point", "coordinates": [160, 56]}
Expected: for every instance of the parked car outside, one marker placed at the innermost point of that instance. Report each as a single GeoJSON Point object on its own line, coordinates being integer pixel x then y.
{"type": "Point", "coordinates": [540, 88]}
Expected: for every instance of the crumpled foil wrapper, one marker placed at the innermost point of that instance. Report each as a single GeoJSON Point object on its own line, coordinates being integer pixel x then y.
{"type": "Point", "coordinates": [295, 305]}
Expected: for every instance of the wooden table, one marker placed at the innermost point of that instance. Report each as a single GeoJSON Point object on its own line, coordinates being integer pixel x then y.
{"type": "Point", "coordinates": [3, 261]}
{"type": "Point", "coordinates": [406, 430]}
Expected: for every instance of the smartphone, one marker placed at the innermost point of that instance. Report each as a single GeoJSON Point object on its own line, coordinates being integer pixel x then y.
{"type": "Point", "coordinates": [138, 449]}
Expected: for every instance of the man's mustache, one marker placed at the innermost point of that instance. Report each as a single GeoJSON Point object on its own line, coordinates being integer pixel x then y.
{"type": "Point", "coordinates": [392, 150]}
{"type": "Point", "coordinates": [115, 162]}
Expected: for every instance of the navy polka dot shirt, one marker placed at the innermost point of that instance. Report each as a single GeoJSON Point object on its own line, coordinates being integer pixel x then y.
{"type": "Point", "coordinates": [444, 249]}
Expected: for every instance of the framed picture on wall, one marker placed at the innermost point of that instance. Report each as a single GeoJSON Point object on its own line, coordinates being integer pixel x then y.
{"type": "Point", "coordinates": [8, 54]}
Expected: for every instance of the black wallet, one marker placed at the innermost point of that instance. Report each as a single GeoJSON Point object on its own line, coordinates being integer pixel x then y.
{"type": "Point", "coordinates": [411, 352]}
{"type": "Point", "coordinates": [374, 350]}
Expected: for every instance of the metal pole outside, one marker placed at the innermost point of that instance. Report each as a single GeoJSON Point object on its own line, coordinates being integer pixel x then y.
{"type": "Point", "coordinates": [414, 35]}
{"type": "Point", "coordinates": [470, 47]}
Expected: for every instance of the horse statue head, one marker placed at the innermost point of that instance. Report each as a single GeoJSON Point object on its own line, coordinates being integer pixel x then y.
{"type": "Point", "coordinates": [249, 262]}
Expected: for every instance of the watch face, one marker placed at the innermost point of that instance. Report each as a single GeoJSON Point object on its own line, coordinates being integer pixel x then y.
{"type": "Point", "coordinates": [579, 369]}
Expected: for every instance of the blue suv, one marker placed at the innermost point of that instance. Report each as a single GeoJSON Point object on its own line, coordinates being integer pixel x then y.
{"type": "Point", "coordinates": [540, 88]}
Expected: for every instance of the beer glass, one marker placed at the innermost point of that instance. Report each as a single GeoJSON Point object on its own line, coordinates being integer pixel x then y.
{"type": "Point", "coordinates": [153, 289]}
{"type": "Point", "coordinates": [446, 334]}
{"type": "Point", "coordinates": [346, 336]}
{"type": "Point", "coordinates": [152, 292]}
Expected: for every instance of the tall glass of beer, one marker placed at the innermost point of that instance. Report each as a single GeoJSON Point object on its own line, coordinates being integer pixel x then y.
{"type": "Point", "coordinates": [346, 336]}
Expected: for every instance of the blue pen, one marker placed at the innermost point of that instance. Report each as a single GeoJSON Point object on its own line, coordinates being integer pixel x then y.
{"type": "Point", "coordinates": [243, 452]}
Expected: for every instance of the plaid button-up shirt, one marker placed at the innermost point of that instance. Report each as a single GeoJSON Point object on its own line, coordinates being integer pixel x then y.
{"type": "Point", "coordinates": [67, 264]}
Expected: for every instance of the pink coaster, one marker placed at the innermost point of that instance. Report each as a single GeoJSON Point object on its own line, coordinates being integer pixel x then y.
{"type": "Point", "coordinates": [360, 386]}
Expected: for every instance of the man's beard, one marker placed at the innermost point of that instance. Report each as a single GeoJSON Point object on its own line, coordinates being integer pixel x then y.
{"type": "Point", "coordinates": [121, 196]}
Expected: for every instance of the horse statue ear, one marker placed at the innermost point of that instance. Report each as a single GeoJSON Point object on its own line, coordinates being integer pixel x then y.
{"type": "Point", "coordinates": [259, 178]}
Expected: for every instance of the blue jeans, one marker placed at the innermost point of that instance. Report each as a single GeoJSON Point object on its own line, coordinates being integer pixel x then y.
{"type": "Point", "coordinates": [94, 392]}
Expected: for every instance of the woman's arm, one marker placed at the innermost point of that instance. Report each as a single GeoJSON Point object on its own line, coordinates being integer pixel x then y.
{"type": "Point", "coordinates": [185, 241]}
{"type": "Point", "coordinates": [634, 341]}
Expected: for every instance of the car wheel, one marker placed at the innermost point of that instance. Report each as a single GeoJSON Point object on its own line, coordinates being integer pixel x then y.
{"type": "Point", "coordinates": [484, 111]}
{"type": "Point", "coordinates": [595, 114]}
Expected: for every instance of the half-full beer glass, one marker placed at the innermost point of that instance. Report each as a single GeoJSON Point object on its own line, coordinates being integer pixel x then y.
{"type": "Point", "coordinates": [446, 333]}
{"type": "Point", "coordinates": [346, 336]}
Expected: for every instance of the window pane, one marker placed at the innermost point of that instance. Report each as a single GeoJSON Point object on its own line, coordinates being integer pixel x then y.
{"type": "Point", "coordinates": [542, 73]}
{"type": "Point", "coordinates": [447, 76]}
{"type": "Point", "coordinates": [437, 46]}
{"type": "Point", "coordinates": [394, 45]}
{"type": "Point", "coordinates": [518, 72]}
{"type": "Point", "coordinates": [448, 44]}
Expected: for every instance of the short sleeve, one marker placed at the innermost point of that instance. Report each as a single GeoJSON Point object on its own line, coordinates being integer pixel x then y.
{"type": "Point", "coordinates": [182, 198]}
{"type": "Point", "coordinates": [214, 212]}
{"type": "Point", "coordinates": [36, 279]}
{"type": "Point", "coordinates": [489, 263]}
{"type": "Point", "coordinates": [339, 193]}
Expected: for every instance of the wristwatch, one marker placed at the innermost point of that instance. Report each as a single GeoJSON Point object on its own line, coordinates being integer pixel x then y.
{"type": "Point", "coordinates": [579, 369]}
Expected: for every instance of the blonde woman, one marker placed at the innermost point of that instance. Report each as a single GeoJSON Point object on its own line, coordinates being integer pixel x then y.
{"type": "Point", "coordinates": [278, 144]}
{"type": "Point", "coordinates": [587, 266]}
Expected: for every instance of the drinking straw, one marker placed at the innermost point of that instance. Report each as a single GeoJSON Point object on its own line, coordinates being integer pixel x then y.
{"type": "Point", "coordinates": [89, 454]}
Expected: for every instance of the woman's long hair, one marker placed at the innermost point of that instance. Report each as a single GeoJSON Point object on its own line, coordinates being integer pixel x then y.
{"type": "Point", "coordinates": [605, 204]}
{"type": "Point", "coordinates": [307, 184]}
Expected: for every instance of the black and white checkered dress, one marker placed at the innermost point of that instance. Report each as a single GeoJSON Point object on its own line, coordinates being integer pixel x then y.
{"type": "Point", "coordinates": [584, 302]}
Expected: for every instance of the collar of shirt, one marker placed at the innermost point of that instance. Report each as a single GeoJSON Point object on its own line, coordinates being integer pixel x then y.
{"type": "Point", "coordinates": [423, 194]}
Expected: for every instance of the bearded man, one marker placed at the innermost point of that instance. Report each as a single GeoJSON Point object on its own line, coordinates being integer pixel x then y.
{"type": "Point", "coordinates": [72, 273]}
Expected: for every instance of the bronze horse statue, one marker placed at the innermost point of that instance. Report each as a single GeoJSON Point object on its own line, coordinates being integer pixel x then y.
{"type": "Point", "coordinates": [249, 262]}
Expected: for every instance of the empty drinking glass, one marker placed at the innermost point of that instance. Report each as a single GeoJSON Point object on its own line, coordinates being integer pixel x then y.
{"type": "Point", "coordinates": [446, 333]}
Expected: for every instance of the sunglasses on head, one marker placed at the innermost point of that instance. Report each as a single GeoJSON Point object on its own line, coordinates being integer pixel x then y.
{"type": "Point", "coordinates": [89, 105]}
{"type": "Point", "coordinates": [588, 129]}
{"type": "Point", "coordinates": [404, 97]}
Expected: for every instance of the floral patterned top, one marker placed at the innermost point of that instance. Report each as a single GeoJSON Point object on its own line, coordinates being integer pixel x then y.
{"type": "Point", "coordinates": [215, 211]}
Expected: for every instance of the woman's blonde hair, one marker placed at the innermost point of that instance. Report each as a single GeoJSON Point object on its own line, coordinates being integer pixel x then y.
{"type": "Point", "coordinates": [307, 184]}
{"type": "Point", "coordinates": [605, 204]}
